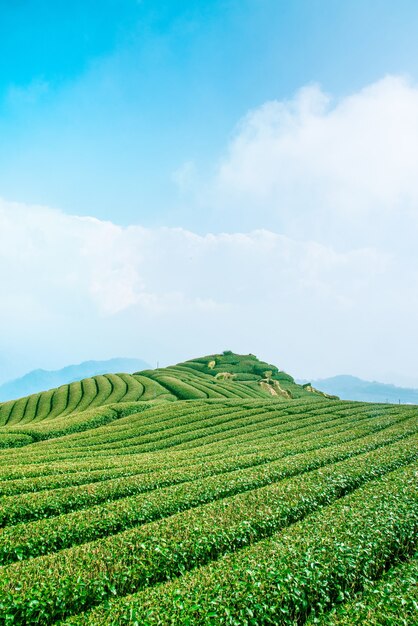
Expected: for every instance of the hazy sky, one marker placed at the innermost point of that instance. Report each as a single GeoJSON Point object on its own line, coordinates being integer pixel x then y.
{"type": "Point", "coordinates": [179, 178]}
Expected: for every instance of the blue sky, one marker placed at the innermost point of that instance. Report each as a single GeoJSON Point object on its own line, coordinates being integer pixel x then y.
{"type": "Point", "coordinates": [174, 174]}
{"type": "Point", "coordinates": [100, 105]}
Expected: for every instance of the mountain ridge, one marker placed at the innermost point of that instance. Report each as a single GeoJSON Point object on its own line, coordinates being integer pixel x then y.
{"type": "Point", "coordinates": [348, 387]}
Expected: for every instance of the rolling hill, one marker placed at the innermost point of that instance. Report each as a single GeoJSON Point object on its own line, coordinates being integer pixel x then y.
{"type": "Point", "coordinates": [215, 491]}
{"type": "Point", "coordinates": [100, 399]}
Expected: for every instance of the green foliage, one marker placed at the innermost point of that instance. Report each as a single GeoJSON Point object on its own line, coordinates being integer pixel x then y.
{"type": "Point", "coordinates": [244, 377]}
{"type": "Point", "coordinates": [14, 440]}
{"type": "Point", "coordinates": [294, 574]}
{"type": "Point", "coordinates": [282, 376]}
{"type": "Point", "coordinates": [175, 497]}
{"type": "Point", "coordinates": [209, 484]}
{"type": "Point", "coordinates": [392, 601]}
{"type": "Point", "coordinates": [217, 376]}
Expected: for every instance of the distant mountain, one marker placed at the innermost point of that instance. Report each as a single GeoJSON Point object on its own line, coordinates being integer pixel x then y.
{"type": "Point", "coordinates": [41, 380]}
{"type": "Point", "coordinates": [352, 388]}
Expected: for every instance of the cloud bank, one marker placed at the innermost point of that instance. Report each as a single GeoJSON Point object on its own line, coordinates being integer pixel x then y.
{"type": "Point", "coordinates": [74, 286]}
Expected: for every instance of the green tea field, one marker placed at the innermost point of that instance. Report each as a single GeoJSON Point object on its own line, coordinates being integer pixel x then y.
{"type": "Point", "coordinates": [216, 491]}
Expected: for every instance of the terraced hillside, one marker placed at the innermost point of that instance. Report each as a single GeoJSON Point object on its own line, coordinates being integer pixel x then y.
{"type": "Point", "coordinates": [225, 508]}
{"type": "Point", "coordinates": [75, 407]}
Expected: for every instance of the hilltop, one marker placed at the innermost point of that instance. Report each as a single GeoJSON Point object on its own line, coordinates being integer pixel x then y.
{"type": "Point", "coordinates": [229, 373]}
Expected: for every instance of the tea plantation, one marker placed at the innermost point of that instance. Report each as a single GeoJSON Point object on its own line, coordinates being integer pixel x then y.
{"type": "Point", "coordinates": [216, 491]}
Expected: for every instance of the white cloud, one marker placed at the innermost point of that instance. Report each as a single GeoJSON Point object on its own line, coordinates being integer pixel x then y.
{"type": "Point", "coordinates": [331, 170]}
{"type": "Point", "coordinates": [114, 268]}
{"type": "Point", "coordinates": [80, 286]}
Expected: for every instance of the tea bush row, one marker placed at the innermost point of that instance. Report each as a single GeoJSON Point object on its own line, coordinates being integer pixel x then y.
{"type": "Point", "coordinates": [80, 577]}
{"type": "Point", "coordinates": [393, 600]}
{"type": "Point", "coordinates": [294, 575]}
{"type": "Point", "coordinates": [24, 507]}
{"type": "Point", "coordinates": [29, 540]}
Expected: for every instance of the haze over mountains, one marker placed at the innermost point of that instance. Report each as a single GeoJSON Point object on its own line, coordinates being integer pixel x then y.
{"type": "Point", "coordinates": [41, 380]}
{"type": "Point", "coordinates": [352, 388]}
{"type": "Point", "coordinates": [346, 387]}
